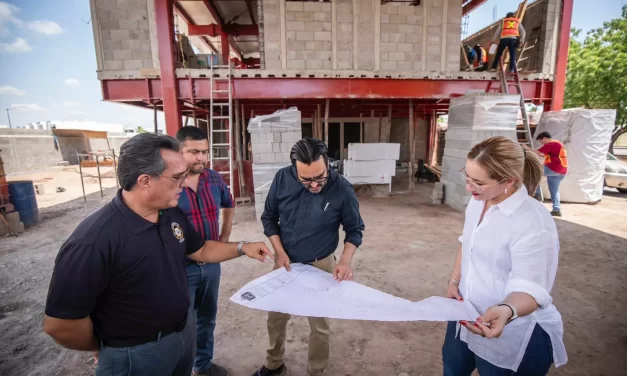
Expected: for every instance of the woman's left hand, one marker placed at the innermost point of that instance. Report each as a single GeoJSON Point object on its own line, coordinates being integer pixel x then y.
{"type": "Point", "coordinates": [491, 323]}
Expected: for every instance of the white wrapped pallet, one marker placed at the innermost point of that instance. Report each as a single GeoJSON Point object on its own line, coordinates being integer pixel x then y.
{"type": "Point", "coordinates": [586, 135]}
{"type": "Point", "coordinates": [380, 179]}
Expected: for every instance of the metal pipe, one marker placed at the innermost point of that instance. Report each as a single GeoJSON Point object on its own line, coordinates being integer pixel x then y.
{"type": "Point", "coordinates": [80, 170]}
{"type": "Point", "coordinates": [99, 178]}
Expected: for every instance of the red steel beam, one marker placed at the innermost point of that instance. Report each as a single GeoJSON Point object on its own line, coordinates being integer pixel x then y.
{"type": "Point", "coordinates": [164, 12]}
{"type": "Point", "coordinates": [215, 30]}
{"type": "Point", "coordinates": [470, 6]}
{"type": "Point", "coordinates": [316, 88]}
{"type": "Point", "coordinates": [561, 62]}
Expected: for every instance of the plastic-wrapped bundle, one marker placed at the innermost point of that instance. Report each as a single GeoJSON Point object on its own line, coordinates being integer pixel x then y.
{"type": "Point", "coordinates": [586, 135]}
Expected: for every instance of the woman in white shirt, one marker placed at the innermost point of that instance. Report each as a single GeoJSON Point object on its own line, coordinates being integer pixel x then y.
{"type": "Point", "coordinates": [506, 268]}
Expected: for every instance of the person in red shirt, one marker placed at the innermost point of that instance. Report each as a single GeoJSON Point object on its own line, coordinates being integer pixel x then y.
{"type": "Point", "coordinates": [555, 167]}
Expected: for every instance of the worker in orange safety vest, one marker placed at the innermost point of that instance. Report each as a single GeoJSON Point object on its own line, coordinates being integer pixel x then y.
{"type": "Point", "coordinates": [481, 63]}
{"type": "Point", "coordinates": [511, 35]}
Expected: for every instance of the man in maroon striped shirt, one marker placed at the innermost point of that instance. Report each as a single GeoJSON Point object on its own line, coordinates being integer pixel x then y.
{"type": "Point", "coordinates": [205, 198]}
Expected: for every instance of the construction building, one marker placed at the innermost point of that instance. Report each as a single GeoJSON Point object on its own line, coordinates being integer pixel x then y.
{"type": "Point", "coordinates": [358, 70]}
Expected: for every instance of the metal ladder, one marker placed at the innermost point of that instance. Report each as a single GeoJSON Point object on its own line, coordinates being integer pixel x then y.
{"type": "Point", "coordinates": [505, 83]}
{"type": "Point", "coordinates": [504, 87]}
{"type": "Point", "coordinates": [221, 123]}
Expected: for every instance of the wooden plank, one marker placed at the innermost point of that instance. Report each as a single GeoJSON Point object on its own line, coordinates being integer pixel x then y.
{"type": "Point", "coordinates": [326, 122]}
{"type": "Point", "coordinates": [412, 145]}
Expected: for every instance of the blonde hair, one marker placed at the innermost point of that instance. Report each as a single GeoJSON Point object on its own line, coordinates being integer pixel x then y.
{"type": "Point", "coordinates": [503, 158]}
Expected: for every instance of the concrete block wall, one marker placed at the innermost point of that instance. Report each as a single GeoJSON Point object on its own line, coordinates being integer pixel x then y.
{"type": "Point", "coordinates": [309, 30]}
{"type": "Point", "coordinates": [344, 34]}
{"type": "Point", "coordinates": [272, 138]}
{"type": "Point", "coordinates": [362, 35]}
{"type": "Point", "coordinates": [28, 149]}
{"type": "Point", "coordinates": [466, 128]}
{"type": "Point", "coordinates": [122, 32]}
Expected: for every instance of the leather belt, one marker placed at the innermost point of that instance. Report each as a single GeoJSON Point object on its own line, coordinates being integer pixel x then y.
{"type": "Point", "coordinates": [120, 343]}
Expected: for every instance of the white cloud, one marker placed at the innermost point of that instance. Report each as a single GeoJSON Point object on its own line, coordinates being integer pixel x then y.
{"type": "Point", "coordinates": [72, 82]}
{"type": "Point", "coordinates": [19, 45]}
{"type": "Point", "coordinates": [7, 15]}
{"type": "Point", "coordinates": [10, 90]}
{"type": "Point", "coordinates": [30, 107]}
{"type": "Point", "coordinates": [71, 104]}
{"type": "Point", "coordinates": [45, 27]}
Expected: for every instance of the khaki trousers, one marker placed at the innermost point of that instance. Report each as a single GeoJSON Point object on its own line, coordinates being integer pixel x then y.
{"type": "Point", "coordinates": [318, 338]}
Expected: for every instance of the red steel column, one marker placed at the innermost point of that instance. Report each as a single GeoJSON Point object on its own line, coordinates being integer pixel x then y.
{"type": "Point", "coordinates": [562, 56]}
{"type": "Point", "coordinates": [164, 12]}
{"type": "Point", "coordinates": [226, 48]}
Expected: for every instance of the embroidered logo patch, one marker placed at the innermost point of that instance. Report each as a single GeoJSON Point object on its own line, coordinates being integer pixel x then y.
{"type": "Point", "coordinates": [178, 233]}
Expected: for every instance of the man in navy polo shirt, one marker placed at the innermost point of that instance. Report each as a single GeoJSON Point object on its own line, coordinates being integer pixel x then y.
{"type": "Point", "coordinates": [119, 284]}
{"type": "Point", "coordinates": [205, 197]}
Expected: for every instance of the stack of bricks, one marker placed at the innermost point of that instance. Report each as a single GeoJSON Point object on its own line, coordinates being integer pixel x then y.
{"type": "Point", "coordinates": [272, 138]}
{"type": "Point", "coordinates": [472, 119]}
{"type": "Point", "coordinates": [309, 32]}
{"type": "Point", "coordinates": [438, 194]}
{"type": "Point", "coordinates": [124, 34]}
{"type": "Point", "coordinates": [401, 37]}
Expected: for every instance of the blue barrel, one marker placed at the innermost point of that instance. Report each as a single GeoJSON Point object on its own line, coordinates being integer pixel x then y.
{"type": "Point", "coordinates": [25, 202]}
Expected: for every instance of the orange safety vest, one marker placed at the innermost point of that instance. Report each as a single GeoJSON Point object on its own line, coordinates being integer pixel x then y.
{"type": "Point", "coordinates": [510, 27]}
{"type": "Point", "coordinates": [484, 55]}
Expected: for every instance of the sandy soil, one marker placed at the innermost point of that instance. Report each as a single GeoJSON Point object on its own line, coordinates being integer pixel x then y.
{"type": "Point", "coordinates": [408, 251]}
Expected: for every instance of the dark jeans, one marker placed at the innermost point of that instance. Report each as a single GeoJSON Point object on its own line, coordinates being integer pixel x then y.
{"type": "Point", "coordinates": [511, 44]}
{"type": "Point", "coordinates": [203, 282]}
{"type": "Point", "coordinates": [460, 361]}
{"type": "Point", "coordinates": [171, 355]}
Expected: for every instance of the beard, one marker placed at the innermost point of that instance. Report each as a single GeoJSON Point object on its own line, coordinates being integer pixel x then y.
{"type": "Point", "coordinates": [197, 168]}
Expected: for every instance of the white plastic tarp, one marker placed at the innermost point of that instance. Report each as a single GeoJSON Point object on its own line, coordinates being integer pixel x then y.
{"type": "Point", "coordinates": [586, 134]}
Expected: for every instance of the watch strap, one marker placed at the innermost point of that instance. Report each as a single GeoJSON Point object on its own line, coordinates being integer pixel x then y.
{"type": "Point", "coordinates": [240, 251]}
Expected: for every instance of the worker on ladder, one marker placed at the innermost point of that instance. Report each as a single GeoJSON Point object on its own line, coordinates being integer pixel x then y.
{"type": "Point", "coordinates": [511, 35]}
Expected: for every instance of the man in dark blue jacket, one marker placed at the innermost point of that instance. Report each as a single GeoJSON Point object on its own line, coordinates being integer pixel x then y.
{"type": "Point", "coordinates": [306, 205]}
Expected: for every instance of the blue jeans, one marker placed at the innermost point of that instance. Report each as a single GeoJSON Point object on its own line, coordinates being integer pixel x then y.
{"type": "Point", "coordinates": [553, 180]}
{"type": "Point", "coordinates": [171, 355]}
{"type": "Point", "coordinates": [203, 282]}
{"type": "Point", "coordinates": [459, 360]}
{"type": "Point", "coordinates": [511, 44]}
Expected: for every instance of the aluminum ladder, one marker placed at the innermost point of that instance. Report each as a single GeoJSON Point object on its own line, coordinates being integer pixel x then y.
{"type": "Point", "coordinates": [221, 123]}
{"type": "Point", "coordinates": [512, 79]}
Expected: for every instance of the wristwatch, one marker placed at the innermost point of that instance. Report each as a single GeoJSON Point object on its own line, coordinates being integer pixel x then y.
{"type": "Point", "coordinates": [240, 252]}
{"type": "Point", "coordinates": [514, 312]}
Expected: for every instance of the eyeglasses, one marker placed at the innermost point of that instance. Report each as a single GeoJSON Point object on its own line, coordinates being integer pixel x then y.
{"type": "Point", "coordinates": [308, 181]}
{"type": "Point", "coordinates": [479, 188]}
{"type": "Point", "coordinates": [179, 179]}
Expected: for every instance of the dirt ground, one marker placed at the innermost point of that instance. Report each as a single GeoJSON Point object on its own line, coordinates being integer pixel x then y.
{"type": "Point", "coordinates": [408, 251]}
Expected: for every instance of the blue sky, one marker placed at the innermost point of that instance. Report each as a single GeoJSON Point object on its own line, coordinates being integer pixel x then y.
{"type": "Point", "coordinates": [48, 63]}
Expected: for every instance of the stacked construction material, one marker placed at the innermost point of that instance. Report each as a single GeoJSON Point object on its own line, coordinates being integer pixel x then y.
{"type": "Point", "coordinates": [586, 135]}
{"type": "Point", "coordinates": [371, 163]}
{"type": "Point", "coordinates": [272, 137]}
{"type": "Point", "coordinates": [472, 119]}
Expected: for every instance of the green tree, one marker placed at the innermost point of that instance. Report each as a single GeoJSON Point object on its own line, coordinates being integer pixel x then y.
{"type": "Point", "coordinates": [141, 130]}
{"type": "Point", "coordinates": [597, 71]}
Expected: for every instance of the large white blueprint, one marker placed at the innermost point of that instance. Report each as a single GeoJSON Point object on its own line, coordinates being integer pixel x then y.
{"type": "Point", "coordinates": [311, 292]}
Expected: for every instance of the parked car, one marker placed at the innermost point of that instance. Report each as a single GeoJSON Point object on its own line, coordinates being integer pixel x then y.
{"type": "Point", "coordinates": [616, 173]}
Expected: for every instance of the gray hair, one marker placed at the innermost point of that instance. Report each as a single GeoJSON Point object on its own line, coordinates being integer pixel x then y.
{"type": "Point", "coordinates": [142, 155]}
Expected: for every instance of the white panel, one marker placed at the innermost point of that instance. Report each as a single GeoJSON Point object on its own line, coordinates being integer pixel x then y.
{"type": "Point", "coordinates": [374, 151]}
{"type": "Point", "coordinates": [369, 168]}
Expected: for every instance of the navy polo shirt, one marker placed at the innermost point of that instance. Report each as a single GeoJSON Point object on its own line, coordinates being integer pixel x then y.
{"type": "Point", "coordinates": [308, 223]}
{"type": "Point", "coordinates": [126, 273]}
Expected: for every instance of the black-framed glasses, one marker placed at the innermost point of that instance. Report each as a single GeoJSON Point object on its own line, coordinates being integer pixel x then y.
{"type": "Point", "coordinates": [179, 179]}
{"type": "Point", "coordinates": [308, 181]}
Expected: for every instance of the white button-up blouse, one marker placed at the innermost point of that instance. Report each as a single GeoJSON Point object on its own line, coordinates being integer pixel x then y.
{"type": "Point", "coordinates": [514, 249]}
